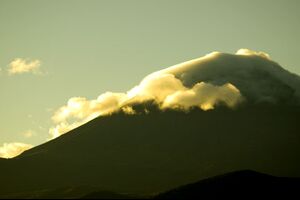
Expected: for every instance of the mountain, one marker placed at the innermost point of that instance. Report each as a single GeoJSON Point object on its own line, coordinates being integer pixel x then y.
{"type": "Point", "coordinates": [155, 152]}
{"type": "Point", "coordinates": [245, 184]}
{"type": "Point", "coordinates": [249, 119]}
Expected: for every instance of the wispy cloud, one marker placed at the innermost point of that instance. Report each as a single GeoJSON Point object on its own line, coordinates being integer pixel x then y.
{"type": "Point", "coordinates": [20, 66]}
{"type": "Point", "coordinates": [10, 150]}
{"type": "Point", "coordinates": [28, 133]}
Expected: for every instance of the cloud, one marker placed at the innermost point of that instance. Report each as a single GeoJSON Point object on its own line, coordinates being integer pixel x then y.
{"type": "Point", "coordinates": [10, 150]}
{"type": "Point", "coordinates": [164, 89]}
{"type": "Point", "coordinates": [204, 96]}
{"type": "Point", "coordinates": [254, 74]}
{"type": "Point", "coordinates": [20, 66]}
{"type": "Point", "coordinates": [79, 110]}
{"type": "Point", "coordinates": [169, 92]}
{"type": "Point", "coordinates": [80, 107]}
{"type": "Point", "coordinates": [156, 87]}
{"type": "Point", "coordinates": [64, 127]}
{"type": "Point", "coordinates": [28, 133]}
{"type": "Point", "coordinates": [206, 82]}
{"type": "Point", "coordinates": [248, 52]}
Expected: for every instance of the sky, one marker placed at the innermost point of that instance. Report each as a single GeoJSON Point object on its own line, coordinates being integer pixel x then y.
{"type": "Point", "coordinates": [71, 48]}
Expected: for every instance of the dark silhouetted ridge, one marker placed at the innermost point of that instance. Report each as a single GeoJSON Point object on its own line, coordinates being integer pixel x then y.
{"type": "Point", "coordinates": [245, 184]}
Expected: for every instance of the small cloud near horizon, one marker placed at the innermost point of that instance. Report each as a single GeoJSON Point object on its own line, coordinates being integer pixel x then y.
{"type": "Point", "coordinates": [21, 66]}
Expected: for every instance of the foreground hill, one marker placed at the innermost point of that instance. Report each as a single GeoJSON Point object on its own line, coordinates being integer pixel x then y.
{"type": "Point", "coordinates": [146, 154]}
{"type": "Point", "coordinates": [238, 185]}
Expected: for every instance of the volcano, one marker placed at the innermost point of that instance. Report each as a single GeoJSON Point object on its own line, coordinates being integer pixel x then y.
{"type": "Point", "coordinates": [209, 116]}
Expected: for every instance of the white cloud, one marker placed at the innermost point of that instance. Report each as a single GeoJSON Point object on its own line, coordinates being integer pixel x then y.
{"type": "Point", "coordinates": [10, 150]}
{"type": "Point", "coordinates": [165, 89]}
{"type": "Point", "coordinates": [158, 86]}
{"type": "Point", "coordinates": [79, 110]}
{"type": "Point", "coordinates": [20, 66]}
{"type": "Point", "coordinates": [64, 127]}
{"type": "Point", "coordinates": [128, 110]}
{"type": "Point", "coordinates": [28, 133]}
{"type": "Point", "coordinates": [248, 52]}
{"type": "Point", "coordinates": [217, 78]}
{"type": "Point", "coordinates": [204, 96]}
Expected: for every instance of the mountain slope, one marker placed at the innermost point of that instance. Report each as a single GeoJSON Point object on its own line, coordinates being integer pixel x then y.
{"type": "Point", "coordinates": [150, 153]}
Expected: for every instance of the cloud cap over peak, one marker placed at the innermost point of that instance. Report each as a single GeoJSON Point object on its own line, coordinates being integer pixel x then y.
{"type": "Point", "coordinates": [258, 78]}
{"type": "Point", "coordinates": [206, 82]}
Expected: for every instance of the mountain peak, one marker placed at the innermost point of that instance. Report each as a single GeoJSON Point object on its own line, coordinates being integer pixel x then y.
{"type": "Point", "coordinates": [254, 74]}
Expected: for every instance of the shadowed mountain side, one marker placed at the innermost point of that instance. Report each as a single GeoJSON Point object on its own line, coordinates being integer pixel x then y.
{"type": "Point", "coordinates": [150, 153]}
{"type": "Point", "coordinates": [2, 161]}
{"type": "Point", "coordinates": [238, 185]}
{"type": "Point", "coordinates": [65, 193]}
{"type": "Point", "coordinates": [110, 195]}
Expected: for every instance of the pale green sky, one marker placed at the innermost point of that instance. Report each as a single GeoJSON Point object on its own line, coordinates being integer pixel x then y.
{"type": "Point", "coordinates": [89, 47]}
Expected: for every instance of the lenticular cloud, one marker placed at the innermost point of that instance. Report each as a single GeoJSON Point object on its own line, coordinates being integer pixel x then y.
{"type": "Point", "coordinates": [206, 82]}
